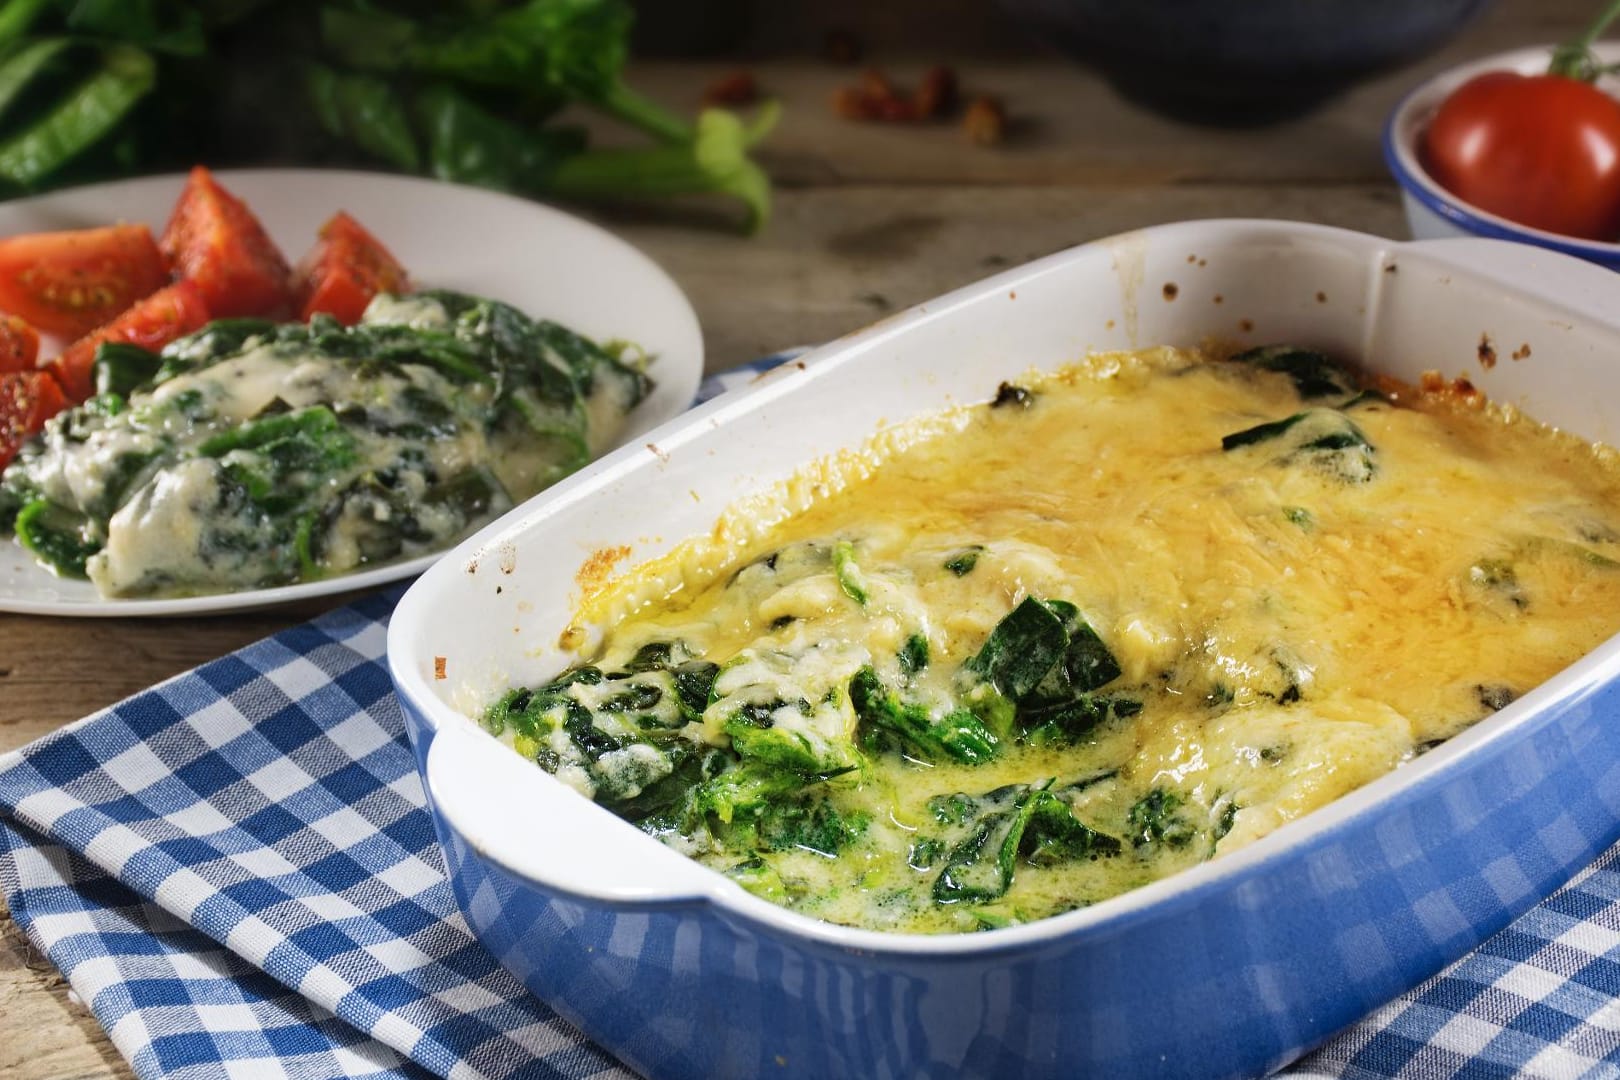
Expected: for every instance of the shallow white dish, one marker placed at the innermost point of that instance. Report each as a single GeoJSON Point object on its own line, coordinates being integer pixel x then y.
{"type": "Point", "coordinates": [546, 263]}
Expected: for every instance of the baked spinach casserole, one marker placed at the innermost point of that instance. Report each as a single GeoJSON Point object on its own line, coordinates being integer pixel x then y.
{"type": "Point", "coordinates": [253, 454]}
{"type": "Point", "coordinates": [1018, 658]}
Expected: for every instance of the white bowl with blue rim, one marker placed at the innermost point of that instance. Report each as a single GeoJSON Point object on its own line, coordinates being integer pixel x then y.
{"type": "Point", "coordinates": [1228, 969]}
{"type": "Point", "coordinates": [1434, 213]}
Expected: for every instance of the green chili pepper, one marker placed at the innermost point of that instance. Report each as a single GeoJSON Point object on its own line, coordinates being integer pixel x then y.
{"type": "Point", "coordinates": [17, 17]}
{"type": "Point", "coordinates": [80, 119]}
{"type": "Point", "coordinates": [24, 66]}
{"type": "Point", "coordinates": [376, 120]}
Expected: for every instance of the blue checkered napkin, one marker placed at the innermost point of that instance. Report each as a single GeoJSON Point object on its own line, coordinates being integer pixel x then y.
{"type": "Point", "coordinates": [176, 1003]}
{"type": "Point", "coordinates": [235, 870]}
{"type": "Point", "coordinates": [268, 803]}
{"type": "Point", "coordinates": [1540, 999]}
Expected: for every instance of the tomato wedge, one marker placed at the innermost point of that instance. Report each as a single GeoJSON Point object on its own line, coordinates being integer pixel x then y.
{"type": "Point", "coordinates": [69, 283]}
{"type": "Point", "coordinates": [152, 323]}
{"type": "Point", "coordinates": [27, 400]}
{"type": "Point", "coordinates": [344, 270]}
{"type": "Point", "coordinates": [19, 344]}
{"type": "Point", "coordinates": [214, 241]}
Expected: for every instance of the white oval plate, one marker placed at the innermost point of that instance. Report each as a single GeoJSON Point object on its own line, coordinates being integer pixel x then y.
{"type": "Point", "coordinates": [546, 263]}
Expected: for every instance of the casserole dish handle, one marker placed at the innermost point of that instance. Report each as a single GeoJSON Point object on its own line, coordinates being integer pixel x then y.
{"type": "Point", "coordinates": [523, 819]}
{"type": "Point", "coordinates": [1571, 283]}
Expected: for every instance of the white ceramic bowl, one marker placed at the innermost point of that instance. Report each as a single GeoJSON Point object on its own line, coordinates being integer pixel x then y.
{"type": "Point", "coordinates": [1434, 213]}
{"type": "Point", "coordinates": [1230, 968]}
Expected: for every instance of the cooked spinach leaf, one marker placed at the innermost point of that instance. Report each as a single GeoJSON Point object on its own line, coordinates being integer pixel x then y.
{"type": "Point", "coordinates": [1044, 660]}
{"type": "Point", "coordinates": [59, 538]}
{"type": "Point", "coordinates": [962, 563]}
{"type": "Point", "coordinates": [1156, 818]}
{"type": "Point", "coordinates": [1024, 646]}
{"type": "Point", "coordinates": [849, 574]}
{"type": "Point", "coordinates": [122, 369]}
{"type": "Point", "coordinates": [1323, 438]}
{"type": "Point", "coordinates": [958, 735]}
{"type": "Point", "coordinates": [1313, 374]}
{"type": "Point", "coordinates": [982, 863]}
{"type": "Point", "coordinates": [995, 828]}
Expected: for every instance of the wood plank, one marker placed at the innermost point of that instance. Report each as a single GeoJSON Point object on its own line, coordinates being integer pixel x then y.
{"type": "Point", "coordinates": [1069, 127]}
{"type": "Point", "coordinates": [45, 1032]}
{"type": "Point", "coordinates": [836, 259]}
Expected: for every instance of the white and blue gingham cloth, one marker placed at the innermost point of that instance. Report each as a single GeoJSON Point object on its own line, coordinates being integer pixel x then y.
{"type": "Point", "coordinates": [237, 872]}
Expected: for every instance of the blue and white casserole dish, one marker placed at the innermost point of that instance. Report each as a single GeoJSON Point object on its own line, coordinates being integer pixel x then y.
{"type": "Point", "coordinates": [1228, 969]}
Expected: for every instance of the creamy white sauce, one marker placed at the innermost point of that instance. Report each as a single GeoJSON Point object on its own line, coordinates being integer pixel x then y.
{"type": "Point", "coordinates": [174, 513]}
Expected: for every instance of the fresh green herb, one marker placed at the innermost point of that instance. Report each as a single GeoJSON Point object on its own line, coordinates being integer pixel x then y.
{"type": "Point", "coordinates": [20, 70]}
{"type": "Point", "coordinates": [367, 111]}
{"type": "Point", "coordinates": [86, 114]}
{"type": "Point", "coordinates": [469, 92]}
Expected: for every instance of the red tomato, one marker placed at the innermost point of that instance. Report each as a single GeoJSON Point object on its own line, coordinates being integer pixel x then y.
{"type": "Point", "coordinates": [69, 283]}
{"type": "Point", "coordinates": [27, 400]}
{"type": "Point", "coordinates": [152, 323]}
{"type": "Point", "coordinates": [214, 241]}
{"type": "Point", "coordinates": [19, 344]}
{"type": "Point", "coordinates": [344, 270]}
{"type": "Point", "coordinates": [1540, 150]}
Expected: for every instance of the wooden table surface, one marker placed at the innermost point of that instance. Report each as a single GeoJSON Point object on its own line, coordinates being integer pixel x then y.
{"type": "Point", "coordinates": [867, 219]}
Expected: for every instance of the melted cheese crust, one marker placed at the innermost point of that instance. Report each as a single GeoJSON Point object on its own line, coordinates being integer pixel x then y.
{"type": "Point", "coordinates": [1290, 635]}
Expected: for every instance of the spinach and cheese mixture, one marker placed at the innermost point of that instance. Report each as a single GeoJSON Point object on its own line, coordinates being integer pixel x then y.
{"type": "Point", "coordinates": [1126, 618]}
{"type": "Point", "coordinates": [253, 454]}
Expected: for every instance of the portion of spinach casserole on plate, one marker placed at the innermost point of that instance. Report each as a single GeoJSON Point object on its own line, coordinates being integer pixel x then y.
{"type": "Point", "coordinates": [1014, 659]}
{"type": "Point", "coordinates": [254, 453]}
